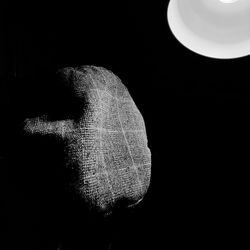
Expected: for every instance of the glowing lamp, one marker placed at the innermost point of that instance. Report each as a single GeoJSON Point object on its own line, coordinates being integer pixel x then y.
{"type": "Point", "coordinates": [212, 28]}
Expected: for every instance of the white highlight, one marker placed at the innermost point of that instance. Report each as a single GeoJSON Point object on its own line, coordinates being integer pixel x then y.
{"type": "Point", "coordinates": [212, 28]}
{"type": "Point", "coordinates": [228, 1]}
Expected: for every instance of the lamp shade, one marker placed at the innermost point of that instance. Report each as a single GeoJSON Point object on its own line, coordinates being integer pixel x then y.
{"type": "Point", "coordinates": [213, 28]}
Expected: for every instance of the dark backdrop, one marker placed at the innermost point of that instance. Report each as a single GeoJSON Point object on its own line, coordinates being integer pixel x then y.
{"type": "Point", "coordinates": [195, 109]}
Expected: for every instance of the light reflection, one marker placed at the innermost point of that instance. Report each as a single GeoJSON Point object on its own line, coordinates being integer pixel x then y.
{"type": "Point", "coordinates": [213, 28]}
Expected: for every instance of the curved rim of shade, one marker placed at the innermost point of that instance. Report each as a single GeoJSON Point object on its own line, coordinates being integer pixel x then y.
{"type": "Point", "coordinates": [200, 45]}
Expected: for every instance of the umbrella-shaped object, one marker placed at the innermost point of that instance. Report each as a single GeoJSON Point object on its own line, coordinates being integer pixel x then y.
{"type": "Point", "coordinates": [213, 28]}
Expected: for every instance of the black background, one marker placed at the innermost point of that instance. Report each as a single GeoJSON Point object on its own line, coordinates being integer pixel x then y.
{"type": "Point", "coordinates": [195, 109]}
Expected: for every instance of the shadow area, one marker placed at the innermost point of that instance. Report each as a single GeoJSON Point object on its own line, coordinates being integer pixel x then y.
{"type": "Point", "coordinates": [45, 211]}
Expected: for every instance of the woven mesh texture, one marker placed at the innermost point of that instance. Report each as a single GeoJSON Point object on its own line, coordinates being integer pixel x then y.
{"type": "Point", "coordinates": [106, 143]}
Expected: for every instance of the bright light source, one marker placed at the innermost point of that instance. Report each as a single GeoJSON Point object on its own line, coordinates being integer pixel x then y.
{"type": "Point", "coordinates": [213, 28]}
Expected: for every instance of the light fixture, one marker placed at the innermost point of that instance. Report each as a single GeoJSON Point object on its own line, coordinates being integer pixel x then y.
{"type": "Point", "coordinates": [213, 28]}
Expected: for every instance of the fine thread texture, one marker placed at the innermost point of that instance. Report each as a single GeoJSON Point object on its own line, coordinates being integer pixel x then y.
{"type": "Point", "coordinates": [106, 143]}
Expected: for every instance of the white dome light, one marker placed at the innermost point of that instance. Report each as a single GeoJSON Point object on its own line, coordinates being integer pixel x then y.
{"type": "Point", "coordinates": [212, 28]}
